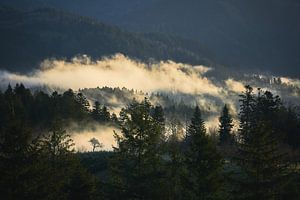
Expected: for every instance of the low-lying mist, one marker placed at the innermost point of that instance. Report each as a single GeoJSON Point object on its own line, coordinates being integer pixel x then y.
{"type": "Point", "coordinates": [118, 71]}
{"type": "Point", "coordinates": [82, 135]}
{"type": "Point", "coordinates": [181, 83]}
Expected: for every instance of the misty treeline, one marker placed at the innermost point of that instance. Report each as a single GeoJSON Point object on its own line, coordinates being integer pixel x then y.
{"type": "Point", "coordinates": [155, 157]}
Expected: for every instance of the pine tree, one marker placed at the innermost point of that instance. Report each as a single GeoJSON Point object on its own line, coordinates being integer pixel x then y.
{"type": "Point", "coordinates": [202, 160]}
{"type": "Point", "coordinates": [259, 157]}
{"type": "Point", "coordinates": [136, 165]}
{"type": "Point", "coordinates": [175, 167]}
{"type": "Point", "coordinates": [62, 175]}
{"type": "Point", "coordinates": [247, 101]}
{"type": "Point", "coordinates": [96, 111]}
{"type": "Point", "coordinates": [225, 127]}
{"type": "Point", "coordinates": [104, 114]}
{"type": "Point", "coordinates": [158, 114]}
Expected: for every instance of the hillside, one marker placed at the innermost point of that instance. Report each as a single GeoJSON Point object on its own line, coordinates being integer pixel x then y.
{"type": "Point", "coordinates": [242, 34]}
{"type": "Point", "coordinates": [28, 37]}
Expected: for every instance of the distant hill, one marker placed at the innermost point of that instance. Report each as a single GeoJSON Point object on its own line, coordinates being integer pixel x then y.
{"type": "Point", "coordinates": [250, 33]}
{"type": "Point", "coordinates": [28, 37]}
{"type": "Point", "coordinates": [244, 34]}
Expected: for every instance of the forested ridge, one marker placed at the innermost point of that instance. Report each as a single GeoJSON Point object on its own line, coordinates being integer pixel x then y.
{"type": "Point", "coordinates": [29, 37]}
{"type": "Point", "coordinates": [155, 157]}
{"type": "Point", "coordinates": [240, 34]}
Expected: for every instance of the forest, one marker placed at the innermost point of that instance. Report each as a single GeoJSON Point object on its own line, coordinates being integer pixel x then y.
{"type": "Point", "coordinates": [156, 156]}
{"type": "Point", "coordinates": [29, 37]}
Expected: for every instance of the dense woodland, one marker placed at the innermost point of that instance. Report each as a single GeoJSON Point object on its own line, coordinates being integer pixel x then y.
{"type": "Point", "coordinates": [156, 157]}
{"type": "Point", "coordinates": [29, 37]}
{"type": "Point", "coordinates": [239, 34]}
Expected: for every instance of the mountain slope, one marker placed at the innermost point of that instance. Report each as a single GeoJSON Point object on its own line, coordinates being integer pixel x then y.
{"type": "Point", "coordinates": [245, 34]}
{"type": "Point", "coordinates": [262, 34]}
{"type": "Point", "coordinates": [29, 37]}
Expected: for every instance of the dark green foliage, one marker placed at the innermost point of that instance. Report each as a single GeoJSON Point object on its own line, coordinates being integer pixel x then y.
{"type": "Point", "coordinates": [136, 164]}
{"type": "Point", "coordinates": [114, 118]}
{"type": "Point", "coordinates": [96, 111]}
{"type": "Point", "coordinates": [28, 38]}
{"type": "Point", "coordinates": [158, 114]}
{"type": "Point", "coordinates": [39, 110]}
{"type": "Point", "coordinates": [154, 158]}
{"type": "Point", "coordinates": [175, 168]}
{"type": "Point", "coordinates": [202, 160]}
{"type": "Point", "coordinates": [104, 114]}
{"type": "Point", "coordinates": [101, 114]}
{"type": "Point", "coordinates": [291, 117]}
{"type": "Point", "coordinates": [259, 157]}
{"type": "Point", "coordinates": [225, 135]}
{"type": "Point", "coordinates": [41, 168]}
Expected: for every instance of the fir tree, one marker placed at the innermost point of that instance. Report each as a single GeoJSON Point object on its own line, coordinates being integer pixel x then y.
{"type": "Point", "coordinates": [175, 166]}
{"type": "Point", "coordinates": [104, 114]}
{"type": "Point", "coordinates": [96, 111]}
{"type": "Point", "coordinates": [247, 101]}
{"type": "Point", "coordinates": [202, 160]}
{"type": "Point", "coordinates": [259, 158]}
{"type": "Point", "coordinates": [136, 166]}
{"type": "Point", "coordinates": [225, 127]}
{"type": "Point", "coordinates": [158, 114]}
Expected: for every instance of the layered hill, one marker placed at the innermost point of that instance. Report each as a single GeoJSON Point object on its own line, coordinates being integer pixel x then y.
{"type": "Point", "coordinates": [261, 34]}
{"type": "Point", "coordinates": [29, 37]}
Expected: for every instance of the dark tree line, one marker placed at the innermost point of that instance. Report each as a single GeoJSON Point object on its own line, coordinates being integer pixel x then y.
{"type": "Point", "coordinates": [39, 109]}
{"type": "Point", "coordinates": [152, 160]}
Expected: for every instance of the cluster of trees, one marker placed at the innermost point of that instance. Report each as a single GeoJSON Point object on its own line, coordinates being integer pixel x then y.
{"type": "Point", "coordinates": [154, 159]}
{"type": "Point", "coordinates": [41, 167]}
{"type": "Point", "coordinates": [148, 165]}
{"type": "Point", "coordinates": [39, 110]}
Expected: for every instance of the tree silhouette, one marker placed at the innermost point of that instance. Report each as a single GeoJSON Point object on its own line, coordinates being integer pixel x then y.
{"type": "Point", "coordinates": [259, 157]}
{"type": "Point", "coordinates": [202, 160]}
{"type": "Point", "coordinates": [225, 127]}
{"type": "Point", "coordinates": [95, 143]}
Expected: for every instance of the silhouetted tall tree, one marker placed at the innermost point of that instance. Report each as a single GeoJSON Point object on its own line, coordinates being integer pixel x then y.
{"type": "Point", "coordinates": [225, 127]}
{"type": "Point", "coordinates": [104, 114]}
{"type": "Point", "coordinates": [259, 158]}
{"type": "Point", "coordinates": [136, 165]}
{"type": "Point", "coordinates": [202, 160]}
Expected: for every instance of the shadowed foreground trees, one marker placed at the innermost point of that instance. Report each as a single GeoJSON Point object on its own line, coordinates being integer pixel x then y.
{"type": "Point", "coordinates": [154, 159]}
{"type": "Point", "coordinates": [202, 161]}
{"type": "Point", "coordinates": [225, 127]}
{"type": "Point", "coordinates": [264, 170]}
{"type": "Point", "coordinates": [137, 161]}
{"type": "Point", "coordinates": [41, 168]}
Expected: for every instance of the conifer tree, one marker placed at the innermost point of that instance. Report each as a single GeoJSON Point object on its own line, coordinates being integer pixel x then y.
{"type": "Point", "coordinates": [136, 165]}
{"type": "Point", "coordinates": [96, 111]}
{"type": "Point", "coordinates": [104, 114]}
{"type": "Point", "coordinates": [247, 101]}
{"type": "Point", "coordinates": [259, 158]}
{"type": "Point", "coordinates": [158, 114]}
{"type": "Point", "coordinates": [175, 167]}
{"type": "Point", "coordinates": [202, 160]}
{"type": "Point", "coordinates": [225, 127]}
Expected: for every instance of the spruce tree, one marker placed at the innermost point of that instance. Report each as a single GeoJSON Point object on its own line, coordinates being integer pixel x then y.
{"type": "Point", "coordinates": [175, 168]}
{"type": "Point", "coordinates": [104, 114]}
{"type": "Point", "coordinates": [96, 111]}
{"type": "Point", "coordinates": [202, 160]}
{"type": "Point", "coordinates": [158, 114]}
{"type": "Point", "coordinates": [225, 136]}
{"type": "Point", "coordinates": [259, 158]}
{"type": "Point", "coordinates": [136, 165]}
{"type": "Point", "coordinates": [247, 101]}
